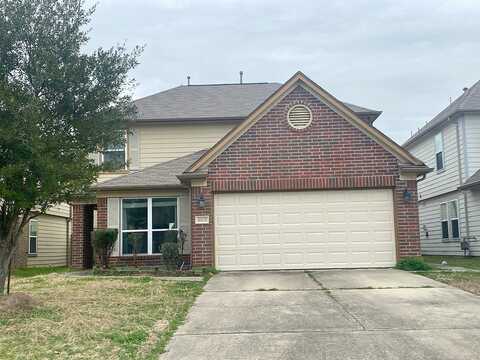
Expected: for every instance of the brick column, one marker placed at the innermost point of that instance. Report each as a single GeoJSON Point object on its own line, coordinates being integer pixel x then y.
{"type": "Point", "coordinates": [78, 235]}
{"type": "Point", "coordinates": [406, 219]}
{"type": "Point", "coordinates": [101, 213]}
{"type": "Point", "coordinates": [202, 234]}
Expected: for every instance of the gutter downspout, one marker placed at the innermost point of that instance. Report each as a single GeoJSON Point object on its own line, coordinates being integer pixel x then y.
{"type": "Point", "coordinates": [460, 174]}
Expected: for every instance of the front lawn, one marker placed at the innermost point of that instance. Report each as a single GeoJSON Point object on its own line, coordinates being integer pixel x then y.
{"type": "Point", "coordinates": [34, 271]}
{"type": "Point", "coordinates": [92, 317]}
{"type": "Point", "coordinates": [469, 262]}
{"type": "Point", "coordinates": [466, 280]}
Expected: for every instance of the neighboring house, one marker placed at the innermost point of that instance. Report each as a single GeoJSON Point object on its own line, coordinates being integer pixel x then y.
{"type": "Point", "coordinates": [45, 240]}
{"type": "Point", "coordinates": [449, 197]}
{"type": "Point", "coordinates": [259, 176]}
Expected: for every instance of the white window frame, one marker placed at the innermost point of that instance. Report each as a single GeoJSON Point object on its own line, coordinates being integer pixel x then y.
{"type": "Point", "coordinates": [31, 236]}
{"type": "Point", "coordinates": [149, 229]}
{"type": "Point", "coordinates": [125, 153]}
{"type": "Point", "coordinates": [439, 150]}
{"type": "Point", "coordinates": [449, 220]}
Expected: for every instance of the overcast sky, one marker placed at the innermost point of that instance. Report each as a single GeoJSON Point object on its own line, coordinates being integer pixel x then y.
{"type": "Point", "coordinates": [406, 58]}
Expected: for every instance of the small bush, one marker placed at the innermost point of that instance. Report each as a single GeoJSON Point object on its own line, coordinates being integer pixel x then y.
{"type": "Point", "coordinates": [413, 264]}
{"type": "Point", "coordinates": [170, 254]}
{"type": "Point", "coordinates": [103, 241]}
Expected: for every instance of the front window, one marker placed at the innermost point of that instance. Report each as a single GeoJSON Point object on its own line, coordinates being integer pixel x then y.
{"type": "Point", "coordinates": [114, 157]}
{"type": "Point", "coordinates": [449, 220]}
{"type": "Point", "coordinates": [32, 236]}
{"type": "Point", "coordinates": [439, 154]}
{"type": "Point", "coordinates": [145, 222]}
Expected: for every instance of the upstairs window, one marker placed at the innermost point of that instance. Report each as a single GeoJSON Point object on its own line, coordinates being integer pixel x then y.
{"type": "Point", "coordinates": [449, 220]}
{"type": "Point", "coordinates": [32, 237]}
{"type": "Point", "coordinates": [439, 154]}
{"type": "Point", "coordinates": [114, 157]}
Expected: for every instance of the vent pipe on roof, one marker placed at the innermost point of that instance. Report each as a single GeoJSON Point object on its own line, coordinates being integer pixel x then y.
{"type": "Point", "coordinates": [241, 77]}
{"type": "Point", "coordinates": [465, 89]}
{"type": "Point", "coordinates": [188, 80]}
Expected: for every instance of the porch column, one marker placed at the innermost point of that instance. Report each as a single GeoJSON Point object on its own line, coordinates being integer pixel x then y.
{"type": "Point", "coordinates": [202, 228]}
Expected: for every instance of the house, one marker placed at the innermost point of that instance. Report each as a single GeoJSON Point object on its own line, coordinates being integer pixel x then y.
{"type": "Point", "coordinates": [449, 197]}
{"type": "Point", "coordinates": [259, 176]}
{"type": "Point", "coordinates": [45, 240]}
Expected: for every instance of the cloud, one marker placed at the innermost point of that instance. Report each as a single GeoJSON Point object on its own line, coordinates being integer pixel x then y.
{"type": "Point", "coordinates": [403, 57]}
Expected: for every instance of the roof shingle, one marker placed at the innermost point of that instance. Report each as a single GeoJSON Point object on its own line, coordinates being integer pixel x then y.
{"type": "Point", "coordinates": [216, 101]}
{"type": "Point", "coordinates": [468, 101]}
{"type": "Point", "coordinates": [163, 175]}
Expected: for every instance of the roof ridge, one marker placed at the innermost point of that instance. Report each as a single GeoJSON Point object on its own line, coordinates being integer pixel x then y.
{"type": "Point", "coordinates": [452, 108]}
{"type": "Point", "coordinates": [157, 93]}
{"type": "Point", "coordinates": [224, 84]}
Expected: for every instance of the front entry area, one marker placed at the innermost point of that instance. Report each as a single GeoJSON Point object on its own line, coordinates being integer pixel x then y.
{"type": "Point", "coordinates": [304, 230]}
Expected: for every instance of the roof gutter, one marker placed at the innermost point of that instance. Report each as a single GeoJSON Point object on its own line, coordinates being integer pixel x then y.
{"type": "Point", "coordinates": [140, 187]}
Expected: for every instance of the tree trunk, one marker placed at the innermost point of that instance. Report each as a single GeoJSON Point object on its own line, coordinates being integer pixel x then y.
{"type": "Point", "coordinates": [10, 233]}
{"type": "Point", "coordinates": [5, 256]}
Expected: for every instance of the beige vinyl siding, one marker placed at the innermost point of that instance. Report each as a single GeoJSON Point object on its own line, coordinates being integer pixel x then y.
{"type": "Point", "coordinates": [429, 216]}
{"type": "Point", "coordinates": [438, 182]}
{"type": "Point", "coordinates": [110, 175]}
{"type": "Point", "coordinates": [62, 210]}
{"type": "Point", "coordinates": [51, 242]}
{"type": "Point", "coordinates": [472, 143]}
{"type": "Point", "coordinates": [163, 142]}
{"type": "Point", "coordinates": [473, 201]}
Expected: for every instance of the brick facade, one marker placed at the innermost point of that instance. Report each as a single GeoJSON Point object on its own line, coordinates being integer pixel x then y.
{"type": "Point", "coordinates": [406, 219]}
{"type": "Point", "coordinates": [329, 154]}
{"type": "Point", "coordinates": [202, 235]}
{"type": "Point", "coordinates": [82, 225]}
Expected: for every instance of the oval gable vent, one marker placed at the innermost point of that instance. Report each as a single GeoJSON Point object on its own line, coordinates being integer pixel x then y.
{"type": "Point", "coordinates": [299, 117]}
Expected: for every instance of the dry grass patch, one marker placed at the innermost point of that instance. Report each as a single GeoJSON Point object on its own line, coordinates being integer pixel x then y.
{"type": "Point", "coordinates": [468, 281]}
{"type": "Point", "coordinates": [94, 317]}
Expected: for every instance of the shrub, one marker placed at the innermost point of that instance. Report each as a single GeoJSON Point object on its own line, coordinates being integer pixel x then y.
{"type": "Point", "coordinates": [413, 264]}
{"type": "Point", "coordinates": [103, 241]}
{"type": "Point", "coordinates": [170, 254]}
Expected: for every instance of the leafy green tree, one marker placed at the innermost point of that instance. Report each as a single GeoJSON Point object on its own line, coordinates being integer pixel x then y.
{"type": "Point", "coordinates": [58, 104]}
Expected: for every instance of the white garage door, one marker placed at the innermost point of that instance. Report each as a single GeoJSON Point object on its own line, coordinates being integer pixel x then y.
{"type": "Point", "coordinates": [302, 230]}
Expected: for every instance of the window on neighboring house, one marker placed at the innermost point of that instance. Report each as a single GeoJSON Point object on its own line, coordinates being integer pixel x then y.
{"type": "Point", "coordinates": [439, 154]}
{"type": "Point", "coordinates": [114, 157]}
{"type": "Point", "coordinates": [449, 220]}
{"type": "Point", "coordinates": [32, 236]}
{"type": "Point", "coordinates": [144, 223]}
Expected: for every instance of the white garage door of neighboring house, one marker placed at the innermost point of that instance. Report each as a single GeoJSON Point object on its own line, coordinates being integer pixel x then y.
{"type": "Point", "coordinates": [307, 229]}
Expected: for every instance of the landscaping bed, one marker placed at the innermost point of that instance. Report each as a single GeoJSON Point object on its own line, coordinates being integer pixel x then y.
{"type": "Point", "coordinates": [57, 316]}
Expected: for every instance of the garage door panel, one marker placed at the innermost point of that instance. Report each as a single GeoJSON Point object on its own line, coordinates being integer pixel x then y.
{"type": "Point", "coordinates": [295, 230]}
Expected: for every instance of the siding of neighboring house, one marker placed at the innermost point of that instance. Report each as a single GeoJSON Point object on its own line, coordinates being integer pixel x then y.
{"type": "Point", "coordinates": [429, 213]}
{"type": "Point", "coordinates": [473, 200]}
{"type": "Point", "coordinates": [160, 143]}
{"type": "Point", "coordinates": [52, 243]}
{"type": "Point", "coordinates": [52, 240]}
{"type": "Point", "coordinates": [438, 182]}
{"type": "Point", "coordinates": [442, 186]}
{"type": "Point", "coordinates": [472, 137]}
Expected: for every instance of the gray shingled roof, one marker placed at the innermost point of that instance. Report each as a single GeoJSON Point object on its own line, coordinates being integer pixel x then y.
{"type": "Point", "coordinates": [468, 101]}
{"type": "Point", "coordinates": [472, 180]}
{"type": "Point", "coordinates": [163, 175]}
{"type": "Point", "coordinates": [216, 101]}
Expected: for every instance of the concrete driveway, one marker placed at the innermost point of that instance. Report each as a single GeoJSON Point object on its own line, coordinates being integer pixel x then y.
{"type": "Point", "coordinates": [329, 315]}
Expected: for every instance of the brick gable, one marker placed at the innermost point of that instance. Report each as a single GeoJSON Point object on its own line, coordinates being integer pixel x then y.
{"type": "Point", "coordinates": [329, 148]}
